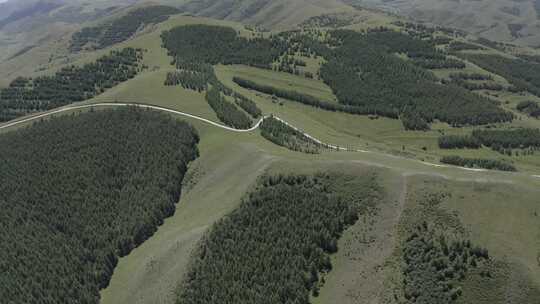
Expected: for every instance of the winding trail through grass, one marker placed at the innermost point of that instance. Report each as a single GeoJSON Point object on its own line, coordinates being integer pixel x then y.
{"type": "Point", "coordinates": [253, 128]}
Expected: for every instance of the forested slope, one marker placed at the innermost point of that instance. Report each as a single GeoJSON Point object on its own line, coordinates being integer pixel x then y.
{"type": "Point", "coordinates": [26, 95]}
{"type": "Point", "coordinates": [79, 191]}
{"type": "Point", "coordinates": [274, 248]}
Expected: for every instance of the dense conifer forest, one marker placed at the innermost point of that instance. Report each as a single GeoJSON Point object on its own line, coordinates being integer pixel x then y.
{"type": "Point", "coordinates": [285, 136]}
{"type": "Point", "coordinates": [364, 71]}
{"type": "Point", "coordinates": [216, 44]}
{"type": "Point", "coordinates": [79, 191]}
{"type": "Point", "coordinates": [274, 247]}
{"type": "Point", "coordinates": [70, 84]}
{"type": "Point", "coordinates": [120, 29]}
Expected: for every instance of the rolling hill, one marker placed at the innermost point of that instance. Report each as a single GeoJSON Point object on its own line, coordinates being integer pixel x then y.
{"type": "Point", "coordinates": [269, 213]}
{"type": "Point", "coordinates": [501, 20]}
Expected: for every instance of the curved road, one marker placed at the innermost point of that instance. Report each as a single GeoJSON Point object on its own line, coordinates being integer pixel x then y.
{"type": "Point", "coordinates": [111, 104]}
{"type": "Point", "coordinates": [256, 126]}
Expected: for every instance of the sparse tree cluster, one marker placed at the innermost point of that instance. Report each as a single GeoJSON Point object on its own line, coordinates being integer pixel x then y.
{"type": "Point", "coordinates": [435, 264]}
{"type": "Point", "coordinates": [78, 192]}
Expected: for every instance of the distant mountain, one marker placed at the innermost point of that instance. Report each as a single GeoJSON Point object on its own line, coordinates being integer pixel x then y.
{"type": "Point", "coordinates": [267, 13]}
{"type": "Point", "coordinates": [41, 7]}
{"type": "Point", "coordinates": [515, 21]}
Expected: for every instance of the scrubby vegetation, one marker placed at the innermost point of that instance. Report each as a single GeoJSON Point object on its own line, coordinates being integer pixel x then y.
{"type": "Point", "coordinates": [364, 71]}
{"type": "Point", "coordinates": [274, 247]}
{"type": "Point", "coordinates": [120, 29]}
{"type": "Point", "coordinates": [281, 134]}
{"type": "Point", "coordinates": [227, 112]}
{"type": "Point", "coordinates": [490, 164]}
{"type": "Point", "coordinates": [79, 191]}
{"type": "Point", "coordinates": [70, 84]}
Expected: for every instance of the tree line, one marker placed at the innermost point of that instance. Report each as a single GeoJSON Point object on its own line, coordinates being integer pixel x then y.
{"type": "Point", "coordinates": [120, 29]}
{"type": "Point", "coordinates": [78, 192]}
{"type": "Point", "coordinates": [498, 140]}
{"type": "Point", "coordinates": [313, 101]}
{"type": "Point", "coordinates": [459, 142]}
{"type": "Point", "coordinates": [484, 163]}
{"type": "Point", "coordinates": [70, 84]}
{"type": "Point", "coordinates": [509, 138]}
{"type": "Point", "coordinates": [275, 246]}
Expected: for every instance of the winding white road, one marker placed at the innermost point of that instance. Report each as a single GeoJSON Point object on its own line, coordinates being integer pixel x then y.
{"type": "Point", "coordinates": [256, 126]}
{"type": "Point", "coordinates": [113, 104]}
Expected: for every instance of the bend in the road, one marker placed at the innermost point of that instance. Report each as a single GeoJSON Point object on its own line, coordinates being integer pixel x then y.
{"type": "Point", "coordinates": [256, 126]}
